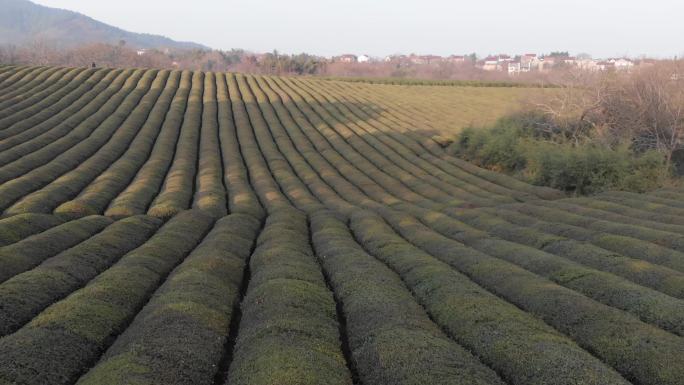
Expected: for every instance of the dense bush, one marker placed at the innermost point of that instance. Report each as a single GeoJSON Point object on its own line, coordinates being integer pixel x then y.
{"type": "Point", "coordinates": [541, 151]}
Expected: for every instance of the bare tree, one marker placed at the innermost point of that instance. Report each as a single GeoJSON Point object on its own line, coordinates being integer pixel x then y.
{"type": "Point", "coordinates": [649, 105]}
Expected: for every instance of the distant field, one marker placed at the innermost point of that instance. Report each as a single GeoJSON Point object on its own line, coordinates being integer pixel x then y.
{"type": "Point", "coordinates": [167, 227]}
{"type": "Point", "coordinates": [445, 110]}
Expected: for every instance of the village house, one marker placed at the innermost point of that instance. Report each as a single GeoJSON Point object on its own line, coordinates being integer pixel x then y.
{"type": "Point", "coordinates": [491, 63]}
{"type": "Point", "coordinates": [455, 59]}
{"type": "Point", "coordinates": [346, 58]}
{"type": "Point", "coordinates": [622, 64]}
{"type": "Point", "coordinates": [514, 68]}
{"type": "Point", "coordinates": [529, 62]}
{"type": "Point", "coordinates": [363, 59]}
{"type": "Point", "coordinates": [425, 59]}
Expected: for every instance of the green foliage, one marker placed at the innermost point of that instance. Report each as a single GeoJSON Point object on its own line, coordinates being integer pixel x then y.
{"type": "Point", "coordinates": [501, 334]}
{"type": "Point", "coordinates": [538, 150]}
{"type": "Point", "coordinates": [18, 227]}
{"type": "Point", "coordinates": [31, 251]}
{"type": "Point", "coordinates": [79, 327]}
{"type": "Point", "coordinates": [179, 336]}
{"type": "Point", "coordinates": [392, 339]}
{"type": "Point", "coordinates": [289, 333]}
{"type": "Point", "coordinates": [25, 295]}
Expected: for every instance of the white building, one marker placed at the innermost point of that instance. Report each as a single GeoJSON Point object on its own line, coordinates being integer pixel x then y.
{"type": "Point", "coordinates": [622, 64]}
{"type": "Point", "coordinates": [363, 59]}
{"type": "Point", "coordinates": [514, 68]}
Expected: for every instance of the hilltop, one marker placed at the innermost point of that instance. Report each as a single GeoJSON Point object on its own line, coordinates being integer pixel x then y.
{"type": "Point", "coordinates": [23, 22]}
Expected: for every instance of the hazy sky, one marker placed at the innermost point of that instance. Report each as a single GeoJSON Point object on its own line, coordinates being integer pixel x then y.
{"type": "Point", "coordinates": [379, 27]}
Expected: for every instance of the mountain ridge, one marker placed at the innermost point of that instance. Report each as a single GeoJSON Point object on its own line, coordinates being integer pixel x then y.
{"type": "Point", "coordinates": [23, 22]}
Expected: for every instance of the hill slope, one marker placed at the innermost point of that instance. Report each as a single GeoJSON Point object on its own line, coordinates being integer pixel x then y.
{"type": "Point", "coordinates": [22, 22]}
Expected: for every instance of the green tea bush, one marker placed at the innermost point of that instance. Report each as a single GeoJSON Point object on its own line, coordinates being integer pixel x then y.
{"type": "Point", "coordinates": [179, 337]}
{"type": "Point", "coordinates": [289, 331]}
{"type": "Point", "coordinates": [25, 295]}
{"type": "Point", "coordinates": [392, 340]}
{"type": "Point", "coordinates": [18, 227]}
{"type": "Point", "coordinates": [31, 251]}
{"type": "Point", "coordinates": [81, 326]}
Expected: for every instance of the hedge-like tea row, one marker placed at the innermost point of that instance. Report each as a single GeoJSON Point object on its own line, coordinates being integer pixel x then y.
{"type": "Point", "coordinates": [18, 227]}
{"type": "Point", "coordinates": [402, 184]}
{"type": "Point", "coordinates": [31, 172]}
{"type": "Point", "coordinates": [75, 129]}
{"type": "Point", "coordinates": [68, 185]}
{"type": "Point", "coordinates": [39, 82]}
{"type": "Point", "coordinates": [45, 83]}
{"type": "Point", "coordinates": [110, 182]}
{"type": "Point", "coordinates": [283, 172]}
{"type": "Point", "coordinates": [451, 179]}
{"type": "Point", "coordinates": [52, 113]}
{"type": "Point", "coordinates": [42, 128]}
{"type": "Point", "coordinates": [179, 336]}
{"type": "Point", "coordinates": [79, 328]}
{"type": "Point", "coordinates": [60, 83]}
{"type": "Point", "coordinates": [641, 352]}
{"type": "Point", "coordinates": [276, 139]}
{"type": "Point", "coordinates": [573, 246]}
{"type": "Point", "coordinates": [26, 294]}
{"type": "Point", "coordinates": [338, 172]}
{"type": "Point", "coordinates": [350, 192]}
{"type": "Point", "coordinates": [29, 252]}
{"type": "Point", "coordinates": [321, 177]}
{"type": "Point", "coordinates": [567, 206]}
{"type": "Point", "coordinates": [241, 195]}
{"type": "Point", "coordinates": [327, 140]}
{"type": "Point", "coordinates": [427, 179]}
{"type": "Point", "coordinates": [500, 334]}
{"type": "Point", "coordinates": [10, 77]}
{"type": "Point", "coordinates": [20, 78]}
{"type": "Point", "coordinates": [266, 188]}
{"type": "Point", "coordinates": [625, 245]}
{"type": "Point", "coordinates": [615, 206]}
{"type": "Point", "coordinates": [391, 338]}
{"type": "Point", "coordinates": [210, 194]}
{"type": "Point", "coordinates": [177, 191]}
{"type": "Point", "coordinates": [649, 305]}
{"type": "Point", "coordinates": [405, 116]}
{"type": "Point", "coordinates": [289, 332]}
{"type": "Point", "coordinates": [645, 201]}
{"type": "Point", "coordinates": [136, 198]}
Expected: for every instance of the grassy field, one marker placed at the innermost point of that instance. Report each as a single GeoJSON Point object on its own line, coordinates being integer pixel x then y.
{"type": "Point", "coordinates": [168, 227]}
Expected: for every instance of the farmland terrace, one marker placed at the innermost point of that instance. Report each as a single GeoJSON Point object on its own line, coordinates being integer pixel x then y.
{"type": "Point", "coordinates": [176, 227]}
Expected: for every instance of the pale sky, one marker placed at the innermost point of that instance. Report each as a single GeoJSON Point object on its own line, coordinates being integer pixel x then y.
{"type": "Point", "coordinates": [602, 28]}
